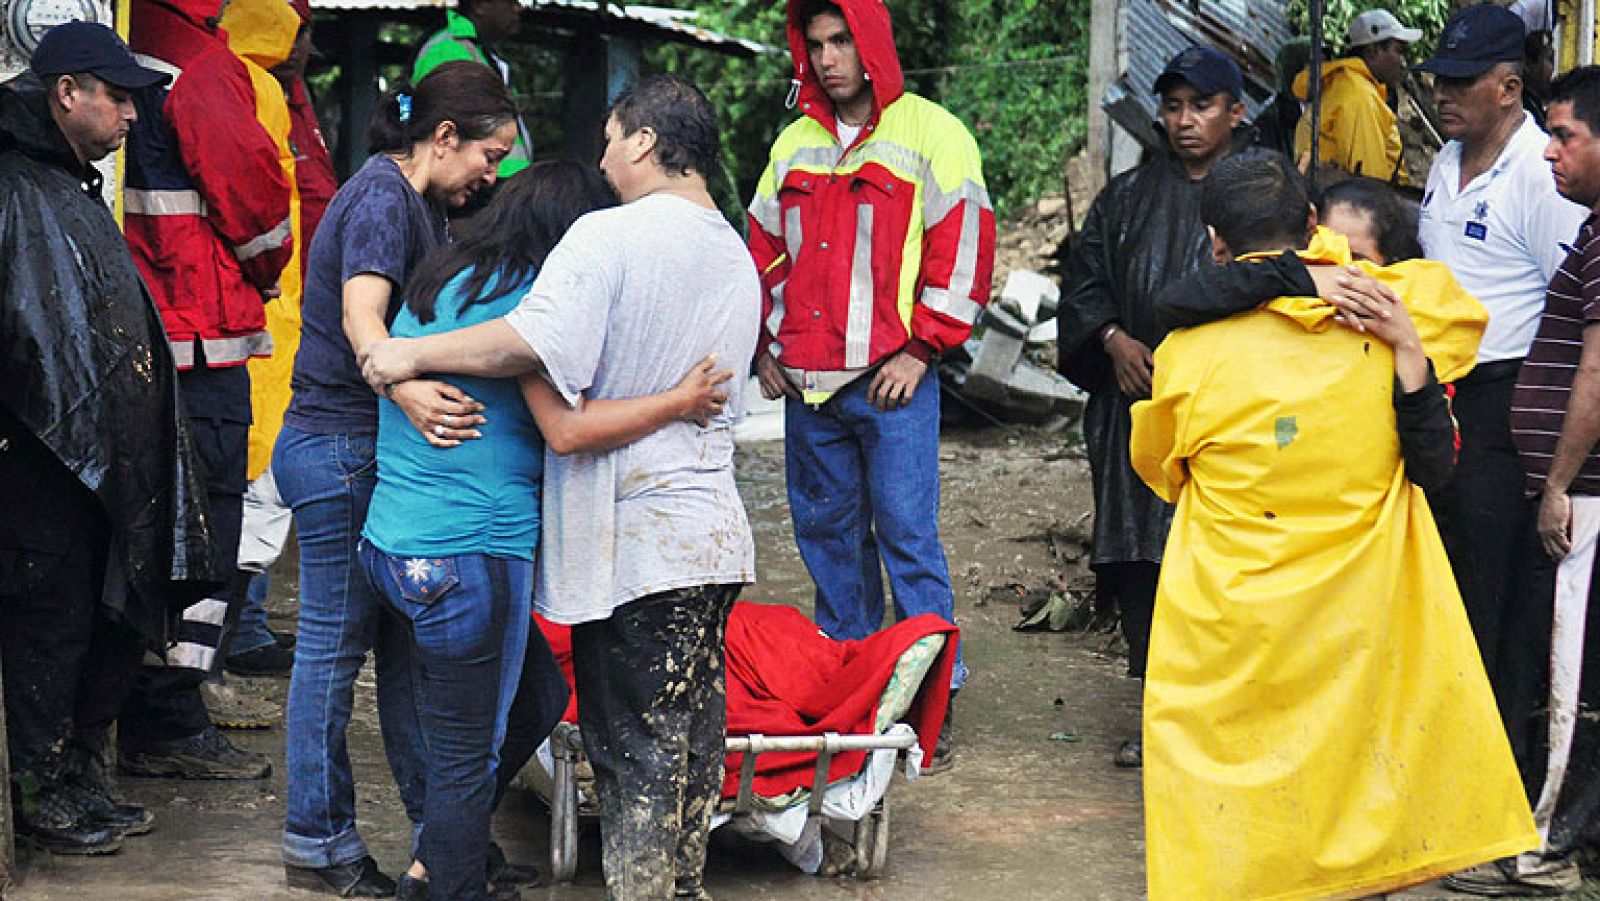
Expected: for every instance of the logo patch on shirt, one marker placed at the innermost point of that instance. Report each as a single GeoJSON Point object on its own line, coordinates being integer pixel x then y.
{"type": "Point", "coordinates": [1477, 231]}
{"type": "Point", "coordinates": [1286, 430]}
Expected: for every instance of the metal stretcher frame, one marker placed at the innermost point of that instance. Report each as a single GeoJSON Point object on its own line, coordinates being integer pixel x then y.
{"type": "Point", "coordinates": [872, 831]}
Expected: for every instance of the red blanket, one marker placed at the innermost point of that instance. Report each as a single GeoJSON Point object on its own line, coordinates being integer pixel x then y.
{"type": "Point", "coordinates": [786, 678]}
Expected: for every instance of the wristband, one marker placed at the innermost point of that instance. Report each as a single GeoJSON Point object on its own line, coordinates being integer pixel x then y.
{"type": "Point", "coordinates": [1107, 332]}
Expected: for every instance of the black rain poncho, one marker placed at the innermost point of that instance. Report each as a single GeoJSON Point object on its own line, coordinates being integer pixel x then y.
{"type": "Point", "coordinates": [85, 367]}
{"type": "Point", "coordinates": [1143, 231]}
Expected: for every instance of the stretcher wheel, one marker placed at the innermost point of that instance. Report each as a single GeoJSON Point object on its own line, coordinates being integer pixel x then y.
{"type": "Point", "coordinates": [872, 842]}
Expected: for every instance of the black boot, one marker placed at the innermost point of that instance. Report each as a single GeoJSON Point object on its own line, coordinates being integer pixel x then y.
{"type": "Point", "coordinates": [88, 780]}
{"type": "Point", "coordinates": [361, 879]}
{"type": "Point", "coordinates": [54, 820]}
{"type": "Point", "coordinates": [504, 872]}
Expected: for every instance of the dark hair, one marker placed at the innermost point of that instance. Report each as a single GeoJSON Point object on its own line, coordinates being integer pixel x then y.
{"type": "Point", "coordinates": [682, 118]}
{"type": "Point", "coordinates": [1536, 45]}
{"type": "Point", "coordinates": [467, 93]}
{"type": "Point", "coordinates": [1581, 88]}
{"type": "Point", "coordinates": [1394, 222]}
{"type": "Point", "coordinates": [513, 235]}
{"type": "Point", "coordinates": [810, 9]}
{"type": "Point", "coordinates": [1255, 201]}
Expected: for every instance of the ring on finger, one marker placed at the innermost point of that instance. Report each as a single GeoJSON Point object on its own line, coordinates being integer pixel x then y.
{"type": "Point", "coordinates": [438, 430]}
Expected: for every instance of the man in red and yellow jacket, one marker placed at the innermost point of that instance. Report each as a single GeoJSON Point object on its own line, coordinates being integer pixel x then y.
{"type": "Point", "coordinates": [208, 223]}
{"type": "Point", "coordinates": [874, 235]}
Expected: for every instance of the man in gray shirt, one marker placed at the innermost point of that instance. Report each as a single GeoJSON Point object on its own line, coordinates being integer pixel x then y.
{"type": "Point", "coordinates": [645, 547]}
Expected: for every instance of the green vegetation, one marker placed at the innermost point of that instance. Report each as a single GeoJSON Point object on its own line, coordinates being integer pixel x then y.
{"type": "Point", "coordinates": [1428, 15]}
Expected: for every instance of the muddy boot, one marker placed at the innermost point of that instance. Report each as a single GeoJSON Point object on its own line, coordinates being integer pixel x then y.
{"type": "Point", "coordinates": [206, 755]}
{"type": "Point", "coordinates": [52, 818]}
{"type": "Point", "coordinates": [232, 708]}
{"type": "Point", "coordinates": [360, 879]}
{"type": "Point", "coordinates": [87, 778]}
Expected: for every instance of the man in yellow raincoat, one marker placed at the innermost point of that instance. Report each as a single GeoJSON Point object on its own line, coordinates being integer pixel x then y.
{"type": "Point", "coordinates": [1317, 722]}
{"type": "Point", "coordinates": [1358, 132]}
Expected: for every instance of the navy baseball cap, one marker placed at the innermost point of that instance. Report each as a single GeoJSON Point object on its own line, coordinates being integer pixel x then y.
{"type": "Point", "coordinates": [1476, 38]}
{"type": "Point", "coordinates": [1205, 69]}
{"type": "Point", "coordinates": [91, 47]}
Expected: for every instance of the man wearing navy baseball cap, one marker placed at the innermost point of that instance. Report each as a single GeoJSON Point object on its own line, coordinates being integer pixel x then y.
{"type": "Point", "coordinates": [1143, 231]}
{"type": "Point", "coordinates": [88, 74]}
{"type": "Point", "coordinates": [1491, 213]}
{"type": "Point", "coordinates": [101, 531]}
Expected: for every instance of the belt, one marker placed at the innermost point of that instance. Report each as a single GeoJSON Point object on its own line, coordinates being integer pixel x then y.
{"type": "Point", "coordinates": [1493, 371]}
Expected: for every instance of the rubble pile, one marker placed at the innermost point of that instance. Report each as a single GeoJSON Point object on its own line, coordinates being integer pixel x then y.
{"type": "Point", "coordinates": [1006, 372]}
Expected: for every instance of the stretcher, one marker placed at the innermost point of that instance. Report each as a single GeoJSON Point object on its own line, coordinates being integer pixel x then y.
{"type": "Point", "coordinates": [826, 820]}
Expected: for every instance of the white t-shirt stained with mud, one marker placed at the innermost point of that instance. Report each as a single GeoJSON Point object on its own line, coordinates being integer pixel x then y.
{"type": "Point", "coordinates": [629, 300]}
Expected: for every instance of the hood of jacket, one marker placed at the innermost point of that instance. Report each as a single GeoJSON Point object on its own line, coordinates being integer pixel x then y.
{"type": "Point", "coordinates": [874, 37]}
{"type": "Point", "coordinates": [261, 31]}
{"type": "Point", "coordinates": [27, 127]}
{"type": "Point", "coordinates": [176, 31]}
{"type": "Point", "coordinates": [1333, 70]}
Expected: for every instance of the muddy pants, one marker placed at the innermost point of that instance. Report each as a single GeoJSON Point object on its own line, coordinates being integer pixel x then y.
{"type": "Point", "coordinates": [653, 712]}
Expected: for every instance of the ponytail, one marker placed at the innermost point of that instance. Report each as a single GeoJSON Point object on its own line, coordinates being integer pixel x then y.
{"type": "Point", "coordinates": [466, 93]}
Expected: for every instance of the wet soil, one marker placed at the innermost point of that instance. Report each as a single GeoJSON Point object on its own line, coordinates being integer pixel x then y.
{"type": "Point", "coordinates": [1032, 809]}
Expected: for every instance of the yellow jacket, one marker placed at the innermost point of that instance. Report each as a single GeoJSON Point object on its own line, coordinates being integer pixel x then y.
{"type": "Point", "coordinates": [261, 33]}
{"type": "Point", "coordinates": [1317, 719]}
{"type": "Point", "coordinates": [1359, 134]}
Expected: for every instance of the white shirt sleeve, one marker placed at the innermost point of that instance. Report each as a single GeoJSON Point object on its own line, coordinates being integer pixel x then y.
{"type": "Point", "coordinates": [564, 316]}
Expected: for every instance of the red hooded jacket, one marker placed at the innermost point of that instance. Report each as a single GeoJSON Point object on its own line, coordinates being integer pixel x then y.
{"type": "Point", "coordinates": [207, 201]}
{"type": "Point", "coordinates": [882, 246]}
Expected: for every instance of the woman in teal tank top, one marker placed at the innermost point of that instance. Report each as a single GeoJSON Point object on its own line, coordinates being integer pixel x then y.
{"type": "Point", "coordinates": [451, 534]}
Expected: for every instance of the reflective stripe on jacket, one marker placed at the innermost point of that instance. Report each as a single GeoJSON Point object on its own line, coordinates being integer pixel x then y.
{"type": "Point", "coordinates": [207, 201]}
{"type": "Point", "coordinates": [868, 250]}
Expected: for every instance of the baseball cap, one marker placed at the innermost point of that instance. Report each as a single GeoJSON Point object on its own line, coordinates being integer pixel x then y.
{"type": "Point", "coordinates": [1476, 38]}
{"type": "Point", "coordinates": [1376, 25]}
{"type": "Point", "coordinates": [1205, 69]}
{"type": "Point", "coordinates": [91, 47]}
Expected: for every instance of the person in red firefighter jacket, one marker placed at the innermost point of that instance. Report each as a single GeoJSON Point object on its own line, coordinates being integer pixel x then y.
{"type": "Point", "coordinates": [874, 235]}
{"type": "Point", "coordinates": [207, 203]}
{"type": "Point", "coordinates": [207, 206]}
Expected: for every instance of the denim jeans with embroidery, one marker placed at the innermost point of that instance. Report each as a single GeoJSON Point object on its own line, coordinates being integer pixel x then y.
{"type": "Point", "coordinates": [457, 612]}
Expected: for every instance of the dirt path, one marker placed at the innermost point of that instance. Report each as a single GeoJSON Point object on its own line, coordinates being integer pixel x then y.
{"type": "Point", "coordinates": [1033, 808]}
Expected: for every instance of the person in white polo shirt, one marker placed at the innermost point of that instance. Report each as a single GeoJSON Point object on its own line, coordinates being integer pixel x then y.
{"type": "Point", "coordinates": [1491, 213]}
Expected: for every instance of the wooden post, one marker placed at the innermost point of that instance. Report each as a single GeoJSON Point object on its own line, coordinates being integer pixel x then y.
{"type": "Point", "coordinates": [8, 840]}
{"type": "Point", "coordinates": [1102, 71]}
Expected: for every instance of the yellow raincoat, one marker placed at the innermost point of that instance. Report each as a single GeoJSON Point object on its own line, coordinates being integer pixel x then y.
{"type": "Point", "coordinates": [261, 33]}
{"type": "Point", "coordinates": [1317, 719]}
{"type": "Point", "coordinates": [1359, 134]}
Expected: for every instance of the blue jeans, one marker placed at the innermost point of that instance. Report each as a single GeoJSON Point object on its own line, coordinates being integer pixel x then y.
{"type": "Point", "coordinates": [327, 480]}
{"type": "Point", "coordinates": [458, 612]}
{"type": "Point", "coordinates": [864, 485]}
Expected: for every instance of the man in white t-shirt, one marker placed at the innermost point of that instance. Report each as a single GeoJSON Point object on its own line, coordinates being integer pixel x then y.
{"type": "Point", "coordinates": [1491, 212]}
{"type": "Point", "coordinates": [645, 546]}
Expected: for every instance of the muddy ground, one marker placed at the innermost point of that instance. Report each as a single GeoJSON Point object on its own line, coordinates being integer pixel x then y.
{"type": "Point", "coordinates": [1033, 808]}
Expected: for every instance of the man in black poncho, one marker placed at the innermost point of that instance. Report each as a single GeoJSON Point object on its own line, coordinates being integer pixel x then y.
{"type": "Point", "coordinates": [104, 528]}
{"type": "Point", "coordinates": [1143, 231]}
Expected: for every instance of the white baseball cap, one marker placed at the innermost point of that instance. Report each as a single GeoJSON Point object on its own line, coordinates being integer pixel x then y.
{"type": "Point", "coordinates": [1376, 25]}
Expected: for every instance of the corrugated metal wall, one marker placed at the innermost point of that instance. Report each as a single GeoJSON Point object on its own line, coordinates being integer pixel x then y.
{"type": "Point", "coordinates": [1150, 32]}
